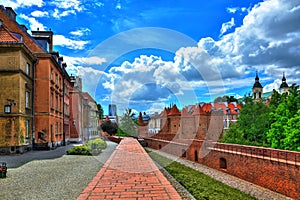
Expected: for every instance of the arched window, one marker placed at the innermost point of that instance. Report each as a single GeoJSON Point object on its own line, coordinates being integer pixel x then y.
{"type": "Point", "coordinates": [159, 146]}
{"type": "Point", "coordinates": [196, 155]}
{"type": "Point", "coordinates": [223, 163]}
{"type": "Point", "coordinates": [183, 153]}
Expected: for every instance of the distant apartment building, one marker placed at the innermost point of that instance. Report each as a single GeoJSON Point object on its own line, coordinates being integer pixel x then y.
{"type": "Point", "coordinates": [112, 110]}
{"type": "Point", "coordinates": [76, 110]}
{"type": "Point", "coordinates": [17, 64]}
{"type": "Point", "coordinates": [66, 107]}
{"type": "Point", "coordinates": [91, 118]}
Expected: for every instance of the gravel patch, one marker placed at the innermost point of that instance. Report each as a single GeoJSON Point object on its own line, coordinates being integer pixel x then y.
{"type": "Point", "coordinates": [242, 185]}
{"type": "Point", "coordinates": [59, 178]}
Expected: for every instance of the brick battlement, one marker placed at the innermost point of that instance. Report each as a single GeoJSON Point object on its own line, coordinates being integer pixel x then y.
{"type": "Point", "coordinates": [277, 170]}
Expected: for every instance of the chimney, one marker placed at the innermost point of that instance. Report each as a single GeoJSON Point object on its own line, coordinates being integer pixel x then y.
{"type": "Point", "coordinates": [11, 13]}
{"type": "Point", "coordinates": [44, 38]}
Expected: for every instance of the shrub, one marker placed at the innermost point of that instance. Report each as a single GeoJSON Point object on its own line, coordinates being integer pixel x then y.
{"type": "Point", "coordinates": [79, 150]}
{"type": "Point", "coordinates": [92, 147]}
{"type": "Point", "coordinates": [96, 144]}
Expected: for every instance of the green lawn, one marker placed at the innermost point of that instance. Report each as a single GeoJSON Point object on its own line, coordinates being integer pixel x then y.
{"type": "Point", "coordinates": [198, 184]}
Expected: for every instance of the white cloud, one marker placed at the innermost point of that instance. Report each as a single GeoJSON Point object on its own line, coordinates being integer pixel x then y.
{"type": "Point", "coordinates": [226, 26]}
{"type": "Point", "coordinates": [61, 40]}
{"type": "Point", "coordinates": [83, 61]}
{"type": "Point", "coordinates": [118, 6]}
{"type": "Point", "coordinates": [235, 9]}
{"type": "Point", "coordinates": [19, 3]}
{"type": "Point", "coordinates": [232, 10]}
{"type": "Point", "coordinates": [99, 4]}
{"type": "Point", "coordinates": [80, 32]}
{"type": "Point", "coordinates": [58, 14]}
{"type": "Point", "coordinates": [39, 13]}
{"type": "Point", "coordinates": [68, 4]}
{"type": "Point", "coordinates": [33, 23]}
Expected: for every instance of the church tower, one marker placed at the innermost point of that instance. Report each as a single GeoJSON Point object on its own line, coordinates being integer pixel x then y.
{"type": "Point", "coordinates": [257, 89]}
{"type": "Point", "coordinates": [284, 88]}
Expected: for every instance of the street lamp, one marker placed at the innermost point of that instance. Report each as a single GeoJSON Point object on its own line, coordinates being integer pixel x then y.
{"type": "Point", "coordinates": [7, 109]}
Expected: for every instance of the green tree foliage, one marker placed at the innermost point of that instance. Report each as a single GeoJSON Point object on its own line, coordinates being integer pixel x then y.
{"type": "Point", "coordinates": [292, 132]}
{"type": "Point", "coordinates": [100, 111]}
{"type": "Point", "coordinates": [252, 125]}
{"type": "Point", "coordinates": [283, 132]}
{"type": "Point", "coordinates": [128, 123]}
{"type": "Point", "coordinates": [226, 98]}
{"type": "Point", "coordinates": [275, 125]}
{"type": "Point", "coordinates": [109, 127]}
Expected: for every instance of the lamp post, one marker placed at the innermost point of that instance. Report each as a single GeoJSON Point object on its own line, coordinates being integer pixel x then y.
{"type": "Point", "coordinates": [7, 107]}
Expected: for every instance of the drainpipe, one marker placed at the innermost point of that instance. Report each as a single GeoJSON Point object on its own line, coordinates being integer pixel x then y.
{"type": "Point", "coordinates": [64, 133]}
{"type": "Point", "coordinates": [33, 104]}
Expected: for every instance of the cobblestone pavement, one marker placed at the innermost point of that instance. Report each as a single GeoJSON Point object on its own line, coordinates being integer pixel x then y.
{"type": "Point", "coordinates": [17, 160]}
{"type": "Point", "coordinates": [50, 175]}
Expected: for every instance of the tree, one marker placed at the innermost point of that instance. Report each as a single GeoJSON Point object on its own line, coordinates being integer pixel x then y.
{"type": "Point", "coordinates": [252, 125]}
{"type": "Point", "coordinates": [140, 120]}
{"type": "Point", "coordinates": [128, 124]}
{"type": "Point", "coordinates": [226, 98]}
{"type": "Point", "coordinates": [283, 131]}
{"type": "Point", "coordinates": [100, 111]}
{"type": "Point", "coordinates": [292, 132]}
{"type": "Point", "coordinates": [109, 127]}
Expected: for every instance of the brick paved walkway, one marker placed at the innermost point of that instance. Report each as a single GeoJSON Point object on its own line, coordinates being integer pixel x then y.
{"type": "Point", "coordinates": [129, 174]}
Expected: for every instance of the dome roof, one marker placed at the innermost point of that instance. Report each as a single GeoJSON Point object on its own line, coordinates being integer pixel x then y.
{"type": "Point", "coordinates": [283, 84]}
{"type": "Point", "coordinates": [257, 83]}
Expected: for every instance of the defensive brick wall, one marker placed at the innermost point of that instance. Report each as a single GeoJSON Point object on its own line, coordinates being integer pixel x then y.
{"type": "Point", "coordinates": [277, 170]}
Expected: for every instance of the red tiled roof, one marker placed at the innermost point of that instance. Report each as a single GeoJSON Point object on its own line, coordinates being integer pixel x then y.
{"type": "Point", "coordinates": [174, 111]}
{"type": "Point", "coordinates": [6, 35]}
{"type": "Point", "coordinates": [198, 110]}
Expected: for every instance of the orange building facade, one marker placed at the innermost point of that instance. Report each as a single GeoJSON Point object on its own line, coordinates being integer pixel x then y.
{"type": "Point", "coordinates": [16, 97]}
{"type": "Point", "coordinates": [47, 104]}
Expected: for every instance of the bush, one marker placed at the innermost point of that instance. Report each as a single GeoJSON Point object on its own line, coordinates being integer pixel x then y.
{"type": "Point", "coordinates": [79, 150]}
{"type": "Point", "coordinates": [92, 147]}
{"type": "Point", "coordinates": [96, 144]}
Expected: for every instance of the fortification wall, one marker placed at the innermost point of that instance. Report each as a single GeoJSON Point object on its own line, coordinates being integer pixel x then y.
{"type": "Point", "coordinates": [277, 170]}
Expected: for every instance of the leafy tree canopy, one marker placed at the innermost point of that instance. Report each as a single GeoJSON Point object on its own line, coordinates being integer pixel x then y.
{"type": "Point", "coordinates": [128, 123]}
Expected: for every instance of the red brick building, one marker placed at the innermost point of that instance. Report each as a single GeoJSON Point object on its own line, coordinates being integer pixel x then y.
{"type": "Point", "coordinates": [200, 121]}
{"type": "Point", "coordinates": [76, 110]}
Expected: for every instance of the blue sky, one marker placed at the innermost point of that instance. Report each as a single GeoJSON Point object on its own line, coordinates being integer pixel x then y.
{"type": "Point", "coordinates": [146, 55]}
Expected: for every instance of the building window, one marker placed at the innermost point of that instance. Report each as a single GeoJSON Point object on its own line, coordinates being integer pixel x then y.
{"type": "Point", "coordinates": [51, 74]}
{"type": "Point", "coordinates": [223, 163]}
{"type": "Point", "coordinates": [27, 128]}
{"type": "Point", "coordinates": [183, 153]}
{"type": "Point", "coordinates": [27, 68]}
{"type": "Point", "coordinates": [56, 78]}
{"type": "Point", "coordinates": [57, 128]}
{"type": "Point", "coordinates": [196, 155]}
{"type": "Point", "coordinates": [51, 100]}
{"type": "Point", "coordinates": [56, 101]}
{"type": "Point", "coordinates": [27, 99]}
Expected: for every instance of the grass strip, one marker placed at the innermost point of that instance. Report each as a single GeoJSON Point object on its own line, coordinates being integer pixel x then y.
{"type": "Point", "coordinates": [198, 184]}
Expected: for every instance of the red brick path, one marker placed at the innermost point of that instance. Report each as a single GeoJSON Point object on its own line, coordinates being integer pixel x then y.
{"type": "Point", "coordinates": [129, 174]}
